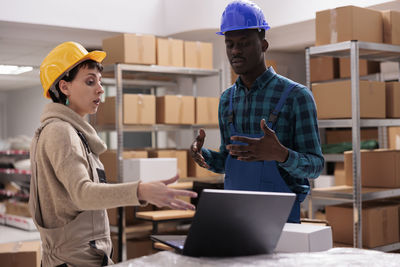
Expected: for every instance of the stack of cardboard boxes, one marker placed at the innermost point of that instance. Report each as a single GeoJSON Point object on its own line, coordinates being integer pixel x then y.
{"type": "Point", "coordinates": [151, 50]}
{"type": "Point", "coordinates": [379, 168]}
{"type": "Point", "coordinates": [141, 109]}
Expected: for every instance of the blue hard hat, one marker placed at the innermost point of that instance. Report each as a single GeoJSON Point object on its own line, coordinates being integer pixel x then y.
{"type": "Point", "coordinates": [240, 15]}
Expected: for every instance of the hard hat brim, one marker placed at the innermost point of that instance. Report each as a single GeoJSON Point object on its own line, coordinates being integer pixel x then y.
{"type": "Point", "coordinates": [96, 55]}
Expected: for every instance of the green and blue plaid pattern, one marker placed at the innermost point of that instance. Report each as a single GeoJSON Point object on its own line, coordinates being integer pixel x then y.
{"type": "Point", "coordinates": [296, 127]}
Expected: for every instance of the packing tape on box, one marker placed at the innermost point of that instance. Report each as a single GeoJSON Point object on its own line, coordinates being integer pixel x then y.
{"type": "Point", "coordinates": [140, 42]}
{"type": "Point", "coordinates": [140, 106]}
{"type": "Point", "coordinates": [198, 54]}
{"type": "Point", "coordinates": [170, 45]}
{"type": "Point", "coordinates": [180, 109]}
{"type": "Point", "coordinates": [333, 26]}
{"type": "Point", "coordinates": [17, 247]}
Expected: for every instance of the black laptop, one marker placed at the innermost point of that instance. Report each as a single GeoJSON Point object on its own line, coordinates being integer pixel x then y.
{"type": "Point", "coordinates": [231, 223]}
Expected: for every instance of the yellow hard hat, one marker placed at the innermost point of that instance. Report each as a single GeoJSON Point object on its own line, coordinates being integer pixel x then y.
{"type": "Point", "coordinates": [61, 59]}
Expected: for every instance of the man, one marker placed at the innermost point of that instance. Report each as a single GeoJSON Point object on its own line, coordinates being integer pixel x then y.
{"type": "Point", "coordinates": [268, 123]}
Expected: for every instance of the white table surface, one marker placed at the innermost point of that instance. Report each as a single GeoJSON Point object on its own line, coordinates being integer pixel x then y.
{"type": "Point", "coordinates": [333, 258]}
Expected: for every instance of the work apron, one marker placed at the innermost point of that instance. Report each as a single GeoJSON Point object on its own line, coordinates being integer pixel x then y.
{"type": "Point", "coordinates": [258, 175]}
{"type": "Point", "coordinates": [85, 241]}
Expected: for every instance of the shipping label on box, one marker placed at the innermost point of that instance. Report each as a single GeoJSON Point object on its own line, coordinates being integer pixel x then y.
{"type": "Point", "coordinates": [207, 110]}
{"type": "Point", "coordinates": [380, 223]}
{"type": "Point", "coordinates": [297, 237]}
{"type": "Point", "coordinates": [391, 27]}
{"type": "Point", "coordinates": [175, 109]}
{"type": "Point", "coordinates": [333, 99]}
{"type": "Point", "coordinates": [379, 168]}
{"type": "Point", "coordinates": [170, 52]}
{"type": "Point", "coordinates": [130, 48]}
{"type": "Point", "coordinates": [149, 170]}
{"type": "Point", "coordinates": [392, 99]}
{"type": "Point", "coordinates": [348, 23]}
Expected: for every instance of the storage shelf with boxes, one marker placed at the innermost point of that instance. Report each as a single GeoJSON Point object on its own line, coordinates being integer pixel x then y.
{"type": "Point", "coordinates": [353, 108]}
{"type": "Point", "coordinates": [149, 62]}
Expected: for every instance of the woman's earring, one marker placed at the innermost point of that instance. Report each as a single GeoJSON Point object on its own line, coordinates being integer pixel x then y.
{"type": "Point", "coordinates": [67, 102]}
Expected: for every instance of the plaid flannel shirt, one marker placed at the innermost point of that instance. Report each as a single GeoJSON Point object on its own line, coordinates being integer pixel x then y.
{"type": "Point", "coordinates": [296, 126]}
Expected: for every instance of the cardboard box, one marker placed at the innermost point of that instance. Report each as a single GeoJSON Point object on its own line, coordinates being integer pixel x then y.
{"type": "Point", "coordinates": [297, 237]}
{"type": "Point", "coordinates": [268, 63]}
{"type": "Point", "coordinates": [391, 27]}
{"type": "Point", "coordinates": [323, 69]}
{"type": "Point", "coordinates": [340, 176]}
{"type": "Point", "coordinates": [392, 99]}
{"type": "Point", "coordinates": [149, 170]}
{"type": "Point", "coordinates": [170, 52]}
{"type": "Point", "coordinates": [25, 223]}
{"type": "Point", "coordinates": [21, 254]}
{"type": "Point", "coordinates": [130, 48]}
{"type": "Point", "coordinates": [207, 110]}
{"type": "Point", "coordinates": [194, 170]}
{"type": "Point", "coordinates": [345, 135]}
{"type": "Point", "coordinates": [364, 67]}
{"type": "Point", "coordinates": [175, 109]}
{"type": "Point", "coordinates": [109, 160]}
{"type": "Point", "coordinates": [380, 223]}
{"type": "Point", "coordinates": [180, 155]}
{"type": "Point", "coordinates": [137, 109]}
{"type": "Point", "coordinates": [333, 99]}
{"type": "Point", "coordinates": [198, 55]}
{"type": "Point", "coordinates": [379, 168]}
{"type": "Point", "coordinates": [348, 23]}
{"type": "Point", "coordinates": [17, 208]}
{"type": "Point", "coordinates": [393, 137]}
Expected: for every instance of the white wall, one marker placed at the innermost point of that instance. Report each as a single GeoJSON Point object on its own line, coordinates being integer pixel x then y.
{"type": "Point", "coordinates": [24, 108]}
{"type": "Point", "coordinates": [160, 17]}
{"type": "Point", "coordinates": [3, 115]}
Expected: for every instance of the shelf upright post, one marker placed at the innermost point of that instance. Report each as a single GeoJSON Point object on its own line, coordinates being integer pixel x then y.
{"type": "Point", "coordinates": [120, 146]}
{"type": "Point", "coordinates": [308, 84]}
{"type": "Point", "coordinates": [355, 107]}
{"type": "Point", "coordinates": [194, 92]}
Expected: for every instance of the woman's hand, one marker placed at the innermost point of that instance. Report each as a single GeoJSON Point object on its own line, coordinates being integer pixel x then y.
{"type": "Point", "coordinates": [157, 193]}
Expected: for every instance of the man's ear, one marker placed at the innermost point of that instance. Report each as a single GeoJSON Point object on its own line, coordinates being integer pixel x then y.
{"type": "Point", "coordinates": [264, 45]}
{"type": "Point", "coordinates": [64, 87]}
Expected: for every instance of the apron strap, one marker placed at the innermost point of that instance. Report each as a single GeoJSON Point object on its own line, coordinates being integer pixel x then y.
{"type": "Point", "coordinates": [273, 116]}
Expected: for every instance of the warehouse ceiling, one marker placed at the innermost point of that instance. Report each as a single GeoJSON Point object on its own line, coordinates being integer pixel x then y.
{"type": "Point", "coordinates": [26, 44]}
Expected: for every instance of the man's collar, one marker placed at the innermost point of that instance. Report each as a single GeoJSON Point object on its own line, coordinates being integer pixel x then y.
{"type": "Point", "coordinates": [261, 80]}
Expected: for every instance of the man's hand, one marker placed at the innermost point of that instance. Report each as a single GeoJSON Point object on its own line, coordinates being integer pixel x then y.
{"type": "Point", "coordinates": [267, 147]}
{"type": "Point", "coordinates": [157, 193]}
{"type": "Point", "coordinates": [195, 149]}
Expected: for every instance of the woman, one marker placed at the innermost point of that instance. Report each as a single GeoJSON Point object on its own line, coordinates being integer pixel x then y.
{"type": "Point", "coordinates": [68, 194]}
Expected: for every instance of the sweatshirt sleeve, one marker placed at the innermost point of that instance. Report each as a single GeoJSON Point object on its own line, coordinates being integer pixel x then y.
{"type": "Point", "coordinates": [68, 158]}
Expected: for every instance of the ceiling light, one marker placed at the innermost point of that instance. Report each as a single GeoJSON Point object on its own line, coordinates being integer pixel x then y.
{"type": "Point", "coordinates": [14, 70]}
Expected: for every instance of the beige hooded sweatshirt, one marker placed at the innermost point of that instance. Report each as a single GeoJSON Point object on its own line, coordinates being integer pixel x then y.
{"type": "Point", "coordinates": [65, 185]}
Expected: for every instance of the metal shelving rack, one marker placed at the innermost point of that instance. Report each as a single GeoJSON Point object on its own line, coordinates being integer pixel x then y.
{"type": "Point", "coordinates": [120, 128]}
{"type": "Point", "coordinates": [356, 50]}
